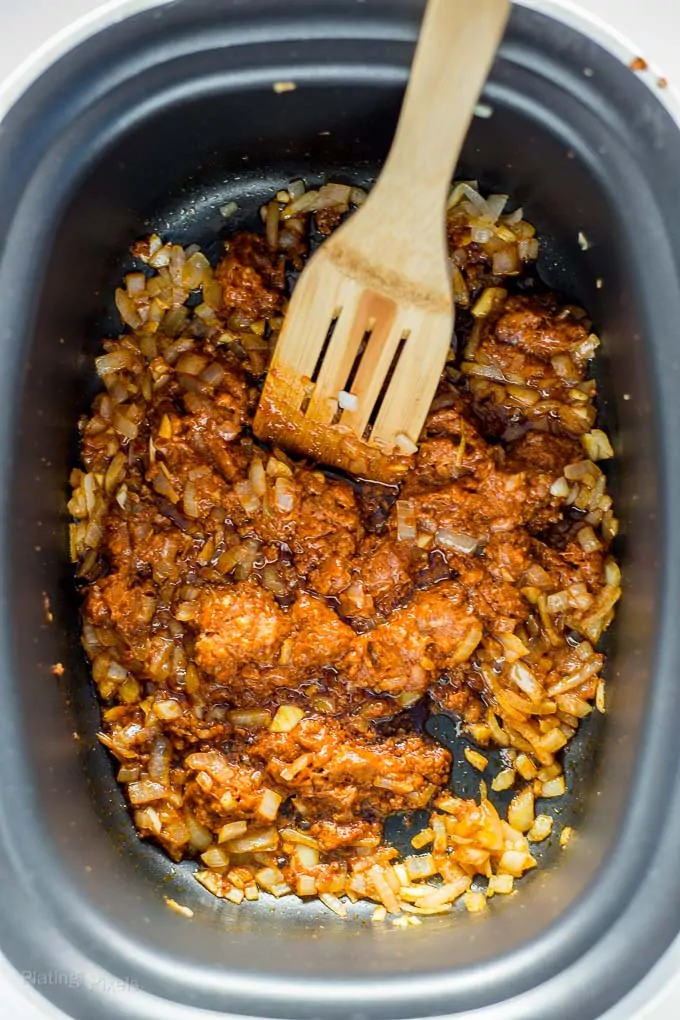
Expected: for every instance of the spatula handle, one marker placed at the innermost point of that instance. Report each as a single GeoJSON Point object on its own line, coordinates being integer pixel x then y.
{"type": "Point", "coordinates": [458, 41]}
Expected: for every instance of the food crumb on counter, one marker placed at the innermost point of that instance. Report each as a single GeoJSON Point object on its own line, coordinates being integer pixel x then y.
{"type": "Point", "coordinates": [284, 86]}
{"type": "Point", "coordinates": [58, 669]}
{"type": "Point", "coordinates": [179, 908]}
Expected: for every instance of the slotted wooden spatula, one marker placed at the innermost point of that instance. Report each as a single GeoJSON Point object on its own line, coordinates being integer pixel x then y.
{"type": "Point", "coordinates": [370, 321]}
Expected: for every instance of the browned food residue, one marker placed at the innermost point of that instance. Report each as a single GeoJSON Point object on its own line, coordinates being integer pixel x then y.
{"type": "Point", "coordinates": [638, 64]}
{"type": "Point", "coordinates": [267, 638]}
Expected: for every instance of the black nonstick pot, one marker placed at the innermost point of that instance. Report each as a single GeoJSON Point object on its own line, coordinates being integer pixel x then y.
{"type": "Point", "coordinates": [154, 122]}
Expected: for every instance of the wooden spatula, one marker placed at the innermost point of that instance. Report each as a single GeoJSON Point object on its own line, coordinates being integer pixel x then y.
{"type": "Point", "coordinates": [370, 321]}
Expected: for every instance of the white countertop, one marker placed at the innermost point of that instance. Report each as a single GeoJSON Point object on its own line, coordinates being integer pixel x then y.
{"type": "Point", "coordinates": [654, 27]}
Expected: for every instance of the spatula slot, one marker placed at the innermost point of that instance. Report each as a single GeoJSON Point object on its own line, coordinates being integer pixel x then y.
{"type": "Point", "coordinates": [325, 344]}
{"type": "Point", "coordinates": [309, 391]}
{"type": "Point", "coordinates": [355, 367]}
{"type": "Point", "coordinates": [386, 383]}
{"type": "Point", "coordinates": [360, 353]}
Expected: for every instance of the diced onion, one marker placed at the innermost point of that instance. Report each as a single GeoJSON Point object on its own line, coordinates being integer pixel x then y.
{"type": "Point", "coordinates": [307, 856]}
{"type": "Point", "coordinates": [331, 195]}
{"type": "Point", "coordinates": [501, 884]}
{"type": "Point", "coordinates": [468, 189]}
{"type": "Point", "coordinates": [554, 787]}
{"type": "Point", "coordinates": [286, 719]}
{"type": "Point", "coordinates": [504, 780]}
{"type": "Point", "coordinates": [247, 497]}
{"type": "Point", "coordinates": [406, 521]}
{"type": "Point", "coordinates": [515, 863]}
{"type": "Point", "coordinates": [250, 551]}
{"type": "Point", "coordinates": [299, 838]}
{"type": "Point", "coordinates": [250, 718]}
{"type": "Point", "coordinates": [384, 889]}
{"type": "Point", "coordinates": [422, 866]}
{"type": "Point", "coordinates": [526, 681]}
{"type": "Point", "coordinates": [278, 468]}
{"type": "Point", "coordinates": [304, 203]}
{"type": "Point", "coordinates": [257, 477]}
{"type": "Point", "coordinates": [521, 811]}
{"type": "Point", "coordinates": [268, 808]}
{"type": "Point", "coordinates": [597, 445]}
{"type": "Point", "coordinates": [123, 425]}
{"type": "Point", "coordinates": [234, 895]}
{"type": "Point", "coordinates": [477, 760]}
{"type": "Point", "coordinates": [475, 902]}
{"type": "Point", "coordinates": [306, 885]}
{"type": "Point", "coordinates": [541, 829]}
{"type": "Point", "coordinates": [273, 582]}
{"type": "Point", "coordinates": [296, 189]}
{"type": "Point", "coordinates": [492, 372]}
{"type": "Point", "coordinates": [422, 839]}
{"type": "Point", "coordinates": [232, 830]}
{"type": "Point", "coordinates": [513, 647]}
{"type": "Point", "coordinates": [146, 791]}
{"type": "Point", "coordinates": [255, 842]}
{"type": "Point", "coordinates": [200, 836]}
{"type": "Point", "coordinates": [284, 493]}
{"type": "Point", "coordinates": [488, 301]}
{"type": "Point", "coordinates": [588, 540]}
{"type": "Point", "coordinates": [272, 224]}
{"type": "Point", "coordinates": [148, 818]}
{"type": "Point", "coordinates": [528, 249]}
{"type": "Point", "coordinates": [190, 363]}
{"type": "Point", "coordinates": [116, 361]}
{"type": "Point", "coordinates": [480, 235]}
{"type": "Point", "coordinates": [159, 759]}
{"type": "Point", "coordinates": [510, 219]}
{"type": "Point", "coordinates": [195, 271]}
{"type": "Point", "coordinates": [506, 260]}
{"type": "Point", "coordinates": [348, 401]}
{"type": "Point", "coordinates": [456, 540]}
{"type": "Point", "coordinates": [496, 204]}
{"type": "Point", "coordinates": [405, 445]}
{"type": "Point", "coordinates": [215, 857]}
{"type": "Point", "coordinates": [127, 309]}
{"type": "Point", "coordinates": [169, 709]}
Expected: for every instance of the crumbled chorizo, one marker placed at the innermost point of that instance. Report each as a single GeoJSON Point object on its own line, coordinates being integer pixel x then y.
{"type": "Point", "coordinates": [268, 638]}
